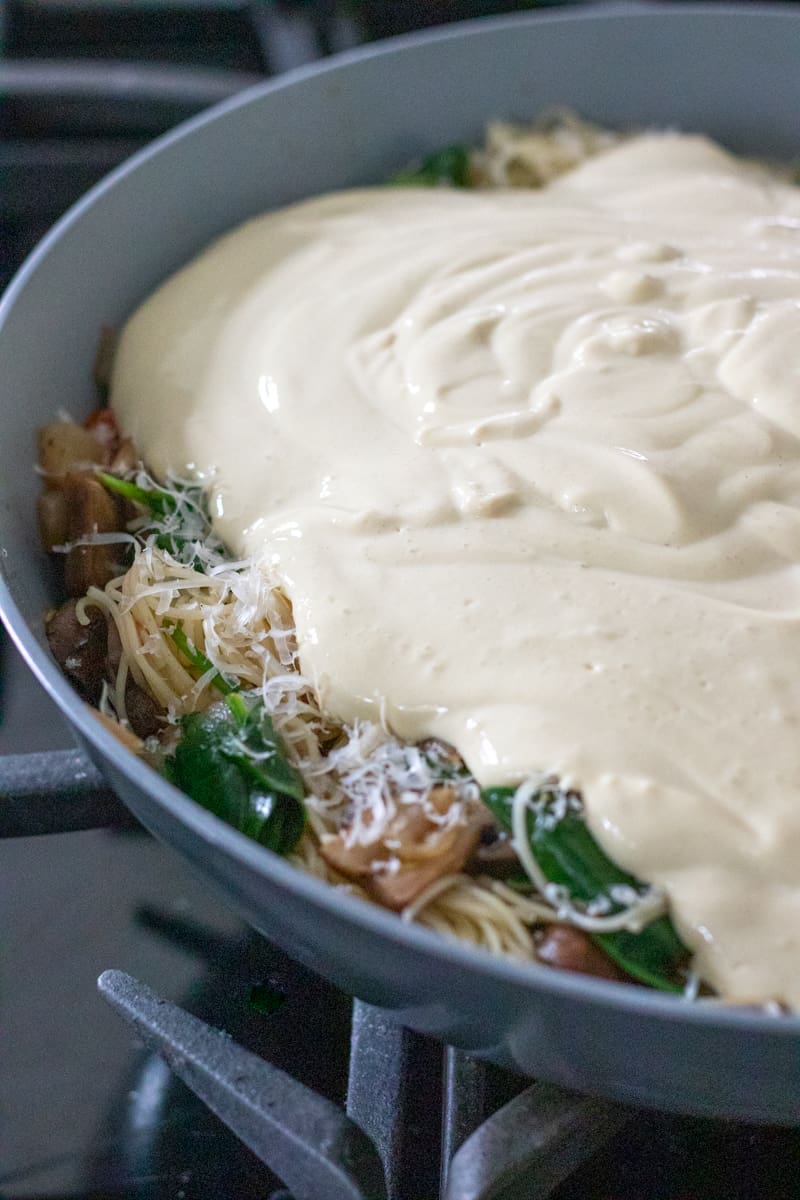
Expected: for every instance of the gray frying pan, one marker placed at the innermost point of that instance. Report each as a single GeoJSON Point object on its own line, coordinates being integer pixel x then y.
{"type": "Point", "coordinates": [729, 71]}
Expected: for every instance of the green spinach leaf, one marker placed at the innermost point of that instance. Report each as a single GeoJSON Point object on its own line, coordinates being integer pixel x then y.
{"type": "Point", "coordinates": [570, 858]}
{"type": "Point", "coordinates": [231, 760]}
{"type": "Point", "coordinates": [448, 167]}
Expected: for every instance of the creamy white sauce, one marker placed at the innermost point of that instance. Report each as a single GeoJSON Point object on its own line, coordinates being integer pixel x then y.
{"type": "Point", "coordinates": [529, 466]}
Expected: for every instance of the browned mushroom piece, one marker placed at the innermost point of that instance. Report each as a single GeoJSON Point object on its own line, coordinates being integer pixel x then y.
{"type": "Point", "coordinates": [68, 508]}
{"type": "Point", "coordinates": [91, 510]}
{"type": "Point", "coordinates": [144, 713]}
{"type": "Point", "coordinates": [80, 650]}
{"type": "Point", "coordinates": [419, 852]}
{"type": "Point", "coordinates": [114, 656]}
{"type": "Point", "coordinates": [89, 655]}
{"type": "Point", "coordinates": [571, 949]}
{"type": "Point", "coordinates": [53, 517]}
{"type": "Point", "coordinates": [495, 854]}
{"type": "Point", "coordinates": [65, 447]}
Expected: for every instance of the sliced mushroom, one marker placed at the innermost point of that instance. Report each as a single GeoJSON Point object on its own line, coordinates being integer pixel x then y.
{"type": "Point", "coordinates": [53, 517]}
{"type": "Point", "coordinates": [571, 949]}
{"type": "Point", "coordinates": [68, 452]}
{"type": "Point", "coordinates": [495, 855]}
{"type": "Point", "coordinates": [80, 650]}
{"type": "Point", "coordinates": [144, 713]}
{"type": "Point", "coordinates": [65, 447]}
{"type": "Point", "coordinates": [91, 510]}
{"type": "Point", "coordinates": [419, 850]}
{"type": "Point", "coordinates": [89, 656]}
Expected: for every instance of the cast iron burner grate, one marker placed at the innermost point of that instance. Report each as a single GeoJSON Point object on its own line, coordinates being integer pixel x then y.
{"type": "Point", "coordinates": [334, 1100]}
{"type": "Point", "coordinates": [324, 1153]}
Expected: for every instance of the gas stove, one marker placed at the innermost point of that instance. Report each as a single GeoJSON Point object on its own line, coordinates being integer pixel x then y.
{"type": "Point", "coordinates": [207, 1064]}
